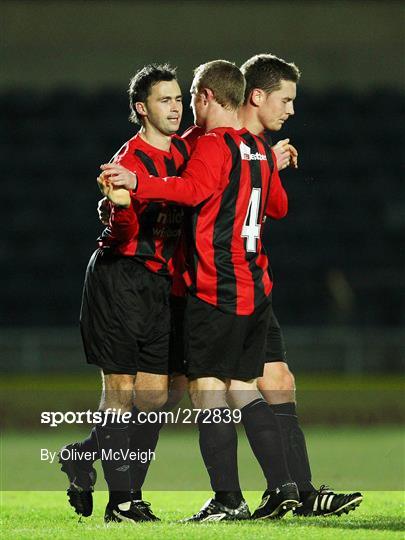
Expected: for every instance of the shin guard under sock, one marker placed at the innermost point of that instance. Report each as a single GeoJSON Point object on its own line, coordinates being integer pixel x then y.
{"type": "Point", "coordinates": [143, 439]}
{"type": "Point", "coordinates": [294, 446]}
{"type": "Point", "coordinates": [113, 442]}
{"type": "Point", "coordinates": [265, 439]}
{"type": "Point", "coordinates": [218, 445]}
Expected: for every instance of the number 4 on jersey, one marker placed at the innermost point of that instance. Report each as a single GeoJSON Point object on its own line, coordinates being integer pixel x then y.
{"type": "Point", "coordinates": [251, 227]}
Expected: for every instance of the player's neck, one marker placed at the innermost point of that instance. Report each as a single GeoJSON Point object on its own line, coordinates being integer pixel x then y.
{"type": "Point", "coordinates": [156, 138]}
{"type": "Point", "coordinates": [249, 120]}
{"type": "Point", "coordinates": [220, 117]}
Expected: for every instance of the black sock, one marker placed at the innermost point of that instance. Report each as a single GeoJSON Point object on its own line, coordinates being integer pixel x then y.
{"type": "Point", "coordinates": [295, 447]}
{"type": "Point", "coordinates": [143, 438]}
{"type": "Point", "coordinates": [231, 499]}
{"type": "Point", "coordinates": [114, 437]}
{"type": "Point", "coordinates": [218, 445]}
{"type": "Point", "coordinates": [265, 439]}
{"type": "Point", "coordinates": [90, 446]}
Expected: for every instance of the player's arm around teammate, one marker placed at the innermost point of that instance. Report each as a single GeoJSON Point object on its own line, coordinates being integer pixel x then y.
{"type": "Point", "coordinates": [228, 309]}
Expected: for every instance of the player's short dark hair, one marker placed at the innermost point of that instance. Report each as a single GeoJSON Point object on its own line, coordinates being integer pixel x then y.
{"type": "Point", "coordinates": [224, 79]}
{"type": "Point", "coordinates": [266, 71]}
{"type": "Point", "coordinates": [140, 85]}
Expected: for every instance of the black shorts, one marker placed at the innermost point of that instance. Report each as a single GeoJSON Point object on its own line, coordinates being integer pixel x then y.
{"type": "Point", "coordinates": [176, 349]}
{"type": "Point", "coordinates": [125, 316]}
{"type": "Point", "coordinates": [224, 345]}
{"type": "Point", "coordinates": [275, 344]}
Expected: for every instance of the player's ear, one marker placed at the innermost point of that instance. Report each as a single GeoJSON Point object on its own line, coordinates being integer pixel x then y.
{"type": "Point", "coordinates": [140, 108]}
{"type": "Point", "coordinates": [207, 94]}
{"type": "Point", "coordinates": [256, 97]}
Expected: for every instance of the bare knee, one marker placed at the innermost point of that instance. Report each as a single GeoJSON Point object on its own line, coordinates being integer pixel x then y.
{"type": "Point", "coordinates": [208, 393]}
{"type": "Point", "coordinates": [118, 392]}
{"type": "Point", "coordinates": [177, 389]}
{"type": "Point", "coordinates": [241, 393]}
{"type": "Point", "coordinates": [277, 384]}
{"type": "Point", "coordinates": [150, 401]}
{"type": "Point", "coordinates": [150, 391]}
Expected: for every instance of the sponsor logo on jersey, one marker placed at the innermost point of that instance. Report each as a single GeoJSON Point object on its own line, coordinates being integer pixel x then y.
{"type": "Point", "coordinates": [247, 155]}
{"type": "Point", "coordinates": [244, 151]}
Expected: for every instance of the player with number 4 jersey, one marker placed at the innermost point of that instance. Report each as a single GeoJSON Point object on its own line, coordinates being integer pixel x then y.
{"type": "Point", "coordinates": [232, 184]}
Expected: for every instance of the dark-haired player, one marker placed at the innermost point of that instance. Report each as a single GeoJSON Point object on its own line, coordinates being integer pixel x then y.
{"type": "Point", "coordinates": [269, 97]}
{"type": "Point", "coordinates": [231, 184]}
{"type": "Point", "coordinates": [125, 315]}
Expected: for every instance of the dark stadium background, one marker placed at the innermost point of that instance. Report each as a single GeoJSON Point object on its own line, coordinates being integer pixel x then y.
{"type": "Point", "coordinates": [338, 257]}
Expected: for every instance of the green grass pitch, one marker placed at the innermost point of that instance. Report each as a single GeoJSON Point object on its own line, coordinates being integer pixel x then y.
{"type": "Point", "coordinates": [47, 515]}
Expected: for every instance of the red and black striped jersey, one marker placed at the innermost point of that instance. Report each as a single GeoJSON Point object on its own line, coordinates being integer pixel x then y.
{"type": "Point", "coordinates": [232, 184]}
{"type": "Point", "coordinates": [147, 231]}
{"type": "Point", "coordinates": [191, 135]}
{"type": "Point", "coordinates": [266, 135]}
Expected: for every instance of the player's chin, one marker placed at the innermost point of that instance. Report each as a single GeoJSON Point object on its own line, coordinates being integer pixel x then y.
{"type": "Point", "coordinates": [173, 127]}
{"type": "Point", "coordinates": [171, 130]}
{"type": "Point", "coordinates": [276, 126]}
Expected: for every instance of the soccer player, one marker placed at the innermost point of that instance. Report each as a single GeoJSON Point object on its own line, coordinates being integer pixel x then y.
{"type": "Point", "coordinates": [270, 92]}
{"type": "Point", "coordinates": [231, 183]}
{"type": "Point", "coordinates": [125, 316]}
